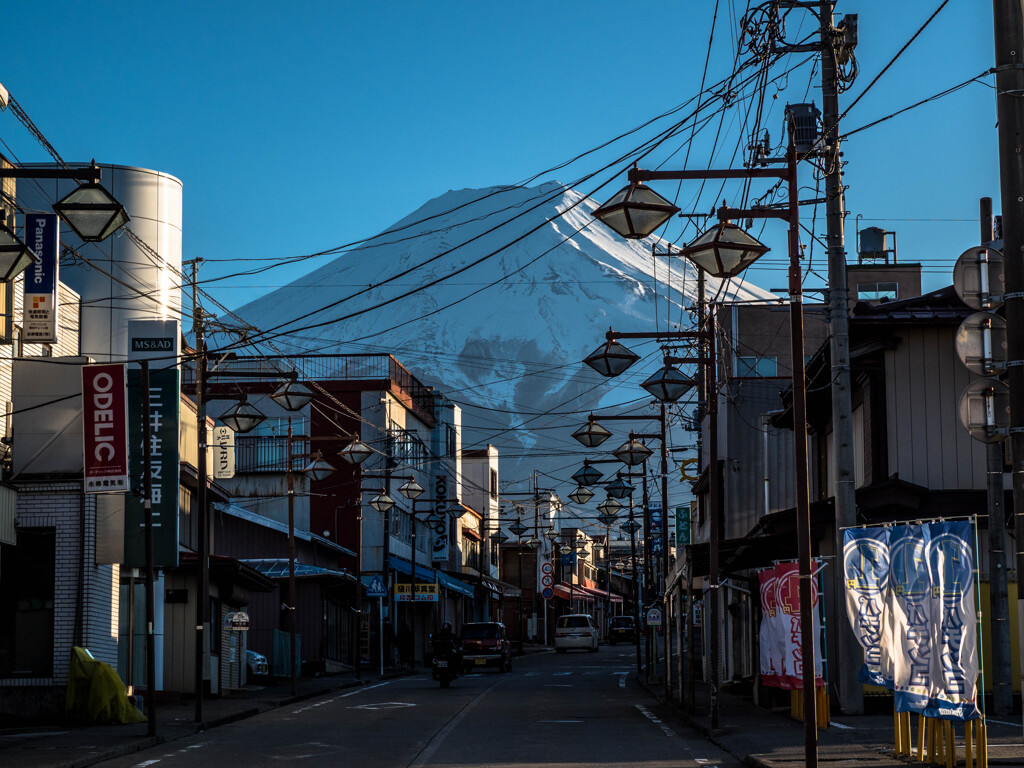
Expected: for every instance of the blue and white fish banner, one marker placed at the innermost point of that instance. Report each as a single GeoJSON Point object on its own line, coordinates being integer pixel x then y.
{"type": "Point", "coordinates": [866, 574]}
{"type": "Point", "coordinates": [910, 600]}
{"type": "Point", "coordinates": [951, 566]}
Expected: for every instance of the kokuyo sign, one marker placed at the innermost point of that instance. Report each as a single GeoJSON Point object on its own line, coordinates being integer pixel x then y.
{"type": "Point", "coordinates": [105, 428]}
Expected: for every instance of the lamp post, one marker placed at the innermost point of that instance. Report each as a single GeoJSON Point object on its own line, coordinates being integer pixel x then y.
{"type": "Point", "coordinates": [724, 251]}
{"type": "Point", "coordinates": [355, 453]}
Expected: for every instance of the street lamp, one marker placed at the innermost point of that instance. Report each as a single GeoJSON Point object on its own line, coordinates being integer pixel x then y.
{"type": "Point", "coordinates": [15, 256]}
{"type": "Point", "coordinates": [611, 358]}
{"type": "Point", "coordinates": [292, 396]}
{"type": "Point", "coordinates": [618, 489]}
{"type": "Point", "coordinates": [636, 211]}
{"type": "Point", "coordinates": [668, 384]}
{"type": "Point", "coordinates": [92, 212]}
{"type": "Point", "coordinates": [355, 452]}
{"type": "Point", "coordinates": [587, 474]}
{"type": "Point", "coordinates": [592, 434]}
{"type": "Point", "coordinates": [633, 452]}
{"type": "Point", "coordinates": [725, 250]}
{"type": "Point", "coordinates": [382, 502]}
{"type": "Point", "coordinates": [610, 506]}
{"type": "Point", "coordinates": [411, 489]}
{"type": "Point", "coordinates": [581, 495]}
{"type": "Point", "coordinates": [242, 417]}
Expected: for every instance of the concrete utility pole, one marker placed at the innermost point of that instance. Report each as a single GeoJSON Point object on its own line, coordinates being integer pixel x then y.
{"type": "Point", "coordinates": [1002, 689]}
{"type": "Point", "coordinates": [1008, 18]}
{"type": "Point", "coordinates": [851, 700]}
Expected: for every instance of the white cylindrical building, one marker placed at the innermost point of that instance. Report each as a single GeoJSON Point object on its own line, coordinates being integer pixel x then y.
{"type": "Point", "coordinates": [118, 280]}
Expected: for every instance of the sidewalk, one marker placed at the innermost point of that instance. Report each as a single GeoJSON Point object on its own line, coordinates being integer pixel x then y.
{"type": "Point", "coordinates": [772, 739]}
{"type": "Point", "coordinates": [62, 745]}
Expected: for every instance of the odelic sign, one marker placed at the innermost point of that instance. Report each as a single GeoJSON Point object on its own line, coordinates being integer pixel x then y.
{"type": "Point", "coordinates": [104, 428]}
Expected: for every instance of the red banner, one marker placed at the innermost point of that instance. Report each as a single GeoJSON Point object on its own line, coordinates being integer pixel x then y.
{"type": "Point", "coordinates": [105, 428]}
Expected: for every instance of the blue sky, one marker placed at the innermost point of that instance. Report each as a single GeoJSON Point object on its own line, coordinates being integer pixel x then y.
{"type": "Point", "coordinates": [297, 129]}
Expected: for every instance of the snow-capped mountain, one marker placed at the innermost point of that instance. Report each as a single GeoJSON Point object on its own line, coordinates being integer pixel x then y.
{"type": "Point", "coordinates": [495, 296]}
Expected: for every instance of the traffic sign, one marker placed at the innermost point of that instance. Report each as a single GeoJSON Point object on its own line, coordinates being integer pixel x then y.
{"type": "Point", "coordinates": [545, 567]}
{"type": "Point", "coordinates": [547, 593]}
{"type": "Point", "coordinates": [653, 617]}
{"type": "Point", "coordinates": [376, 587]}
{"type": "Point", "coordinates": [546, 580]}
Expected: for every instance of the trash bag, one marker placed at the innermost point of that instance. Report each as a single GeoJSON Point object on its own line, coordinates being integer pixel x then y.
{"type": "Point", "coordinates": [95, 692]}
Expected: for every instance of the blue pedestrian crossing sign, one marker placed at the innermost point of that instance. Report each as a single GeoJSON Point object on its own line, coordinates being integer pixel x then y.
{"type": "Point", "coordinates": [376, 588]}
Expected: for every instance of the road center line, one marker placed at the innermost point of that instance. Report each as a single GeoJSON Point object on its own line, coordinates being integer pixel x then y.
{"type": "Point", "coordinates": [435, 743]}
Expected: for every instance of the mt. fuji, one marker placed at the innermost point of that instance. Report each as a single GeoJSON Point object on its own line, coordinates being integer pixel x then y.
{"type": "Point", "coordinates": [495, 296]}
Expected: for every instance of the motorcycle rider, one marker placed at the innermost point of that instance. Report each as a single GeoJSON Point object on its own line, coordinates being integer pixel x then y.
{"type": "Point", "coordinates": [447, 643]}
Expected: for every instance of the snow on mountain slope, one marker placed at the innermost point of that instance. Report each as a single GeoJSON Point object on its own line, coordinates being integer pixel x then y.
{"type": "Point", "coordinates": [495, 296]}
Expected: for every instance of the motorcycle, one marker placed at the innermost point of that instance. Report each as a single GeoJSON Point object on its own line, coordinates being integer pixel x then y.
{"type": "Point", "coordinates": [446, 662]}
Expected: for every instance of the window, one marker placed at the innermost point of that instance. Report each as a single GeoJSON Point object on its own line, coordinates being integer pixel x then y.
{"type": "Point", "coordinates": [877, 291]}
{"type": "Point", "coordinates": [449, 444]}
{"type": "Point", "coordinates": [265, 448]}
{"type": "Point", "coordinates": [494, 483]}
{"type": "Point", "coordinates": [759, 367]}
{"type": "Point", "coordinates": [406, 447]}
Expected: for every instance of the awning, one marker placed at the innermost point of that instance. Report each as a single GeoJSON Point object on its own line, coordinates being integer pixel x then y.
{"type": "Point", "coordinates": [277, 568]}
{"type": "Point", "coordinates": [600, 595]}
{"type": "Point", "coordinates": [562, 591]}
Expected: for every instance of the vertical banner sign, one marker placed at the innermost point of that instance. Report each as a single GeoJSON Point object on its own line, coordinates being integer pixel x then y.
{"type": "Point", "coordinates": [911, 606]}
{"type": "Point", "coordinates": [162, 433]}
{"type": "Point", "coordinates": [920, 578]}
{"type": "Point", "coordinates": [780, 639]}
{"type": "Point", "coordinates": [951, 568]}
{"type": "Point", "coordinates": [655, 532]}
{"type": "Point", "coordinates": [42, 235]}
{"type": "Point", "coordinates": [223, 453]}
{"type": "Point", "coordinates": [104, 428]}
{"type": "Point", "coordinates": [866, 575]}
{"type": "Point", "coordinates": [439, 520]}
{"type": "Point", "coordinates": [682, 526]}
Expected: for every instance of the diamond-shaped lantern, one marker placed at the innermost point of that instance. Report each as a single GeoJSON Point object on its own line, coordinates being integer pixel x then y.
{"type": "Point", "coordinates": [592, 434]}
{"type": "Point", "coordinates": [611, 358]}
{"type": "Point", "coordinates": [587, 475]}
{"type": "Point", "coordinates": [581, 495]}
{"type": "Point", "coordinates": [292, 396]}
{"type": "Point", "coordinates": [618, 489]}
{"type": "Point", "coordinates": [630, 527]}
{"type": "Point", "coordinates": [411, 489]}
{"type": "Point", "coordinates": [242, 417]}
{"type": "Point", "coordinates": [498, 537]}
{"type": "Point", "coordinates": [356, 452]}
{"type": "Point", "coordinates": [725, 250]}
{"type": "Point", "coordinates": [632, 452]}
{"type": "Point", "coordinates": [318, 469]}
{"type": "Point", "coordinates": [15, 256]}
{"type": "Point", "coordinates": [92, 212]}
{"type": "Point", "coordinates": [635, 211]}
{"type": "Point", "coordinates": [668, 384]}
{"type": "Point", "coordinates": [517, 528]}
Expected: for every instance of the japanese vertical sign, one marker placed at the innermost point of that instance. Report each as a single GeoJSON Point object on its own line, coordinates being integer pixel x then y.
{"type": "Point", "coordinates": [439, 520]}
{"type": "Point", "coordinates": [42, 235]}
{"type": "Point", "coordinates": [780, 638]}
{"type": "Point", "coordinates": [920, 579]}
{"type": "Point", "coordinates": [162, 434]}
{"type": "Point", "coordinates": [104, 428]}
{"type": "Point", "coordinates": [682, 526]}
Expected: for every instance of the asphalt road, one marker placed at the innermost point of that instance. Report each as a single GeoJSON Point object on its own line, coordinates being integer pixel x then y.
{"type": "Point", "coordinates": [579, 709]}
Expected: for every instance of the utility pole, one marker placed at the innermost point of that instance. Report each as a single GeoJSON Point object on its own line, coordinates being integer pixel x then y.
{"type": "Point", "coordinates": [1002, 689]}
{"type": "Point", "coordinates": [851, 699]}
{"type": "Point", "coordinates": [292, 661]}
{"type": "Point", "coordinates": [1008, 20]}
{"type": "Point", "coordinates": [147, 503]}
{"type": "Point", "coordinates": [202, 525]}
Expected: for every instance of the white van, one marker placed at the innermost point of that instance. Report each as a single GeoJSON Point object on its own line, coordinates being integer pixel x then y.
{"type": "Point", "coordinates": [575, 630]}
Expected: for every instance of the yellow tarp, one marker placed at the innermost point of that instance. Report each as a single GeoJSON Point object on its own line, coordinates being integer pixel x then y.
{"type": "Point", "coordinates": [96, 693]}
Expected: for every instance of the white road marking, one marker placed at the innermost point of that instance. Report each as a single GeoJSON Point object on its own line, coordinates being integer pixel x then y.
{"type": "Point", "coordinates": [561, 721]}
{"type": "Point", "coordinates": [622, 679]}
{"type": "Point", "coordinates": [664, 728]}
{"type": "Point", "coordinates": [144, 763]}
{"type": "Point", "coordinates": [384, 705]}
{"type": "Point", "coordinates": [834, 724]}
{"type": "Point", "coordinates": [434, 744]}
{"type": "Point", "coordinates": [559, 685]}
{"type": "Point", "coordinates": [335, 698]}
{"type": "Point", "coordinates": [1001, 722]}
{"type": "Point", "coordinates": [562, 674]}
